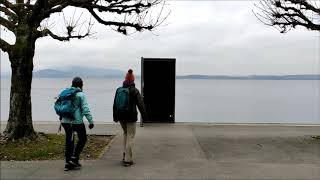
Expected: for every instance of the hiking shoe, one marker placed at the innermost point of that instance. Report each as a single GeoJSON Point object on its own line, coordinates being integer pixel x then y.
{"type": "Point", "coordinates": [68, 166]}
{"type": "Point", "coordinates": [75, 161]}
{"type": "Point", "coordinates": [126, 163]}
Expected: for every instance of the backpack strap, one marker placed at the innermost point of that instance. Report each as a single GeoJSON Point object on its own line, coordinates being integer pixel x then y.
{"type": "Point", "coordinates": [76, 91]}
{"type": "Point", "coordinates": [74, 96]}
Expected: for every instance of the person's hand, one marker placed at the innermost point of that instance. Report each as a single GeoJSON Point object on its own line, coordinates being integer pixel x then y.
{"type": "Point", "coordinates": [91, 126]}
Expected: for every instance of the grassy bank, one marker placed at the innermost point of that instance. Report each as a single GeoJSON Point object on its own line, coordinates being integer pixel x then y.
{"type": "Point", "coordinates": [51, 147]}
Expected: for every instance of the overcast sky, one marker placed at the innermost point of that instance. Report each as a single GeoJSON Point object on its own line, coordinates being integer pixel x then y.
{"type": "Point", "coordinates": [206, 37]}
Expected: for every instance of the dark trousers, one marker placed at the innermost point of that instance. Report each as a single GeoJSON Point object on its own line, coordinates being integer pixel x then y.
{"type": "Point", "coordinates": [80, 129]}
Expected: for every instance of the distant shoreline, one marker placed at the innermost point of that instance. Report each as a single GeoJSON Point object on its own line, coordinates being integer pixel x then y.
{"type": "Point", "coordinates": [100, 73]}
{"type": "Point", "coordinates": [197, 77]}
{"type": "Point", "coordinates": [253, 77]}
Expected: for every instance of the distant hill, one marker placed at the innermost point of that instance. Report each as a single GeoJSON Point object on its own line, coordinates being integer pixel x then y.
{"type": "Point", "coordinates": [94, 72]}
{"type": "Point", "coordinates": [50, 73]}
{"type": "Point", "coordinates": [78, 71]}
{"type": "Point", "coordinates": [72, 71]}
{"type": "Point", "coordinates": [254, 77]}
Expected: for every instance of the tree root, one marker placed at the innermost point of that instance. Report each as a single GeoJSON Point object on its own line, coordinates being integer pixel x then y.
{"type": "Point", "coordinates": [30, 138]}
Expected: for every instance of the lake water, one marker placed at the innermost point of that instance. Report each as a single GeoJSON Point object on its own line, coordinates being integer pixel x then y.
{"type": "Point", "coordinates": [235, 101]}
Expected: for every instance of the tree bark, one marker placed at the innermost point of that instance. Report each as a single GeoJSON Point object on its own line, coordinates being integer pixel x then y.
{"type": "Point", "coordinates": [21, 57]}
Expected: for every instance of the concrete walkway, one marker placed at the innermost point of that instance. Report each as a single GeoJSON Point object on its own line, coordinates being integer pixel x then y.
{"type": "Point", "coordinates": [192, 151]}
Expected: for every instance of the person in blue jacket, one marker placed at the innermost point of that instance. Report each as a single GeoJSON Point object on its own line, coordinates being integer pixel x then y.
{"type": "Point", "coordinates": [76, 125]}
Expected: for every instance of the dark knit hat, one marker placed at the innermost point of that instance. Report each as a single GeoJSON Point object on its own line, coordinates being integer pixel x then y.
{"type": "Point", "coordinates": [129, 75]}
{"type": "Point", "coordinates": [77, 82]}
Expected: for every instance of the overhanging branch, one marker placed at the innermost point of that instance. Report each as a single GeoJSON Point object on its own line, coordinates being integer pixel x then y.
{"type": "Point", "coordinates": [298, 12]}
{"type": "Point", "coordinates": [6, 23]}
{"type": "Point", "coordinates": [56, 9]}
{"type": "Point", "coordinates": [288, 14]}
{"type": "Point", "coordinates": [17, 7]}
{"type": "Point", "coordinates": [306, 5]}
{"type": "Point", "coordinates": [6, 3]}
{"type": "Point", "coordinates": [9, 13]}
{"type": "Point", "coordinates": [121, 8]}
{"type": "Point", "coordinates": [137, 26]}
{"type": "Point", "coordinates": [47, 32]}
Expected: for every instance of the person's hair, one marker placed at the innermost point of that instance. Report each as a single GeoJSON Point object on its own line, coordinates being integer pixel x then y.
{"type": "Point", "coordinates": [77, 82]}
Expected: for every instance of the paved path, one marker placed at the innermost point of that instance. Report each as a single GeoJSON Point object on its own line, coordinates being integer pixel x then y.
{"type": "Point", "coordinates": [193, 151]}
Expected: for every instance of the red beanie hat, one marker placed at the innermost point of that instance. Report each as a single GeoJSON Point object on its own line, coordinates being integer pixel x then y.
{"type": "Point", "coordinates": [129, 75]}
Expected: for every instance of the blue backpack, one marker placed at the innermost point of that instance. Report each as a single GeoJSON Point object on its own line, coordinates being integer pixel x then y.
{"type": "Point", "coordinates": [64, 105]}
{"type": "Point", "coordinates": [122, 100]}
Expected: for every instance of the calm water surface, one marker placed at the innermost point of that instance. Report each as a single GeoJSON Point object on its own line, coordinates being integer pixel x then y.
{"type": "Point", "coordinates": [238, 101]}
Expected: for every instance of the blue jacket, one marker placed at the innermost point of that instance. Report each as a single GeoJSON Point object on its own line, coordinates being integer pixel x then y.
{"type": "Point", "coordinates": [82, 110]}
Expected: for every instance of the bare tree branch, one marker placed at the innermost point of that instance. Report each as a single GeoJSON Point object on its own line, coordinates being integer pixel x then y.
{"type": "Point", "coordinates": [298, 13]}
{"type": "Point", "coordinates": [6, 3]}
{"type": "Point", "coordinates": [4, 46]}
{"type": "Point", "coordinates": [9, 13]}
{"type": "Point", "coordinates": [42, 9]}
{"type": "Point", "coordinates": [121, 25]}
{"type": "Point", "coordinates": [306, 4]}
{"type": "Point", "coordinates": [121, 8]}
{"type": "Point", "coordinates": [15, 6]}
{"type": "Point", "coordinates": [47, 32]}
{"type": "Point", "coordinates": [6, 23]}
{"type": "Point", "coordinates": [288, 14]}
{"type": "Point", "coordinates": [19, 6]}
{"type": "Point", "coordinates": [56, 9]}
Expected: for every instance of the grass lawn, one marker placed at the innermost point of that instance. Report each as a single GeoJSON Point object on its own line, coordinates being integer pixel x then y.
{"type": "Point", "coordinates": [51, 147]}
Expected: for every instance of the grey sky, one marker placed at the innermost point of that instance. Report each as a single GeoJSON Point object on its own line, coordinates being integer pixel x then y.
{"type": "Point", "coordinates": [206, 37]}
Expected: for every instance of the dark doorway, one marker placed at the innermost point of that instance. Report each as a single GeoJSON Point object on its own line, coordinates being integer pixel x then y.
{"type": "Point", "coordinates": [158, 76]}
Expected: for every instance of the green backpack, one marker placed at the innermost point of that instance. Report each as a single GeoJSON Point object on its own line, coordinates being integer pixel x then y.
{"type": "Point", "coordinates": [122, 100]}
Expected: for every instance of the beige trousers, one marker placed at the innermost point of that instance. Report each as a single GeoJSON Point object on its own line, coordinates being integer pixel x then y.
{"type": "Point", "coordinates": [129, 131]}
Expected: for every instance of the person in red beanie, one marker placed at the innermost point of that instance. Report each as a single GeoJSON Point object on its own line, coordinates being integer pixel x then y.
{"type": "Point", "coordinates": [127, 98]}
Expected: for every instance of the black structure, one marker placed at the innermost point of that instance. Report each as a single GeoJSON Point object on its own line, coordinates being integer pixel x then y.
{"type": "Point", "coordinates": [158, 80]}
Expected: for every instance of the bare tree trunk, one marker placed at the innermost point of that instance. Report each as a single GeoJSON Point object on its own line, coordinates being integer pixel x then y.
{"type": "Point", "coordinates": [20, 119]}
